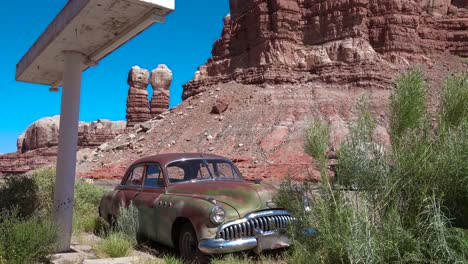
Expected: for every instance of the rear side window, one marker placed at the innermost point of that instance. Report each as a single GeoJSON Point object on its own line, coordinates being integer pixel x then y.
{"type": "Point", "coordinates": [154, 176]}
{"type": "Point", "coordinates": [136, 176]}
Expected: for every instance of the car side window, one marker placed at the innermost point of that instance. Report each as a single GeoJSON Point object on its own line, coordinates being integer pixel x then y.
{"type": "Point", "coordinates": [136, 176]}
{"type": "Point", "coordinates": [223, 170]}
{"type": "Point", "coordinates": [154, 176]}
{"type": "Point", "coordinates": [175, 173]}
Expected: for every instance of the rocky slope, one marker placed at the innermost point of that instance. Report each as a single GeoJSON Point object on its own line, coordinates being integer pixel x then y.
{"type": "Point", "coordinates": [280, 62]}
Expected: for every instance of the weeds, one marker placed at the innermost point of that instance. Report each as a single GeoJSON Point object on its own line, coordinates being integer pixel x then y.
{"type": "Point", "coordinates": [85, 211]}
{"type": "Point", "coordinates": [115, 245]}
{"type": "Point", "coordinates": [127, 222]}
{"type": "Point", "coordinates": [25, 240]}
{"type": "Point", "coordinates": [172, 260]}
{"type": "Point", "coordinates": [405, 199]}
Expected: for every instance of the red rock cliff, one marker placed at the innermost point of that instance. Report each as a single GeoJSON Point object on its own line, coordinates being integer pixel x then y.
{"type": "Point", "coordinates": [340, 41]}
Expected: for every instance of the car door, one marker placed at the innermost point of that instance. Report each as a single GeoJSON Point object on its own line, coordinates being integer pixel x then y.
{"type": "Point", "coordinates": [147, 200]}
{"type": "Point", "coordinates": [129, 187]}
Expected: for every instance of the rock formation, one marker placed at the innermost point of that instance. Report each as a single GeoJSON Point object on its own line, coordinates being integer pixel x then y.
{"type": "Point", "coordinates": [137, 103]}
{"type": "Point", "coordinates": [37, 145]}
{"type": "Point", "coordinates": [44, 133]}
{"type": "Point", "coordinates": [161, 79]}
{"type": "Point", "coordinates": [290, 41]}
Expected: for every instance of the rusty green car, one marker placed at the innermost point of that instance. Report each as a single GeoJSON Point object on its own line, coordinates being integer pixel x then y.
{"type": "Point", "coordinates": [199, 204]}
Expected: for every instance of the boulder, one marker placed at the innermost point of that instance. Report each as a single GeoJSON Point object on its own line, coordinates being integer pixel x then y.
{"type": "Point", "coordinates": [220, 106]}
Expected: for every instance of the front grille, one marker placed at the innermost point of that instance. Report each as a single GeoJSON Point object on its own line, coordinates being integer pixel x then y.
{"type": "Point", "coordinates": [246, 227]}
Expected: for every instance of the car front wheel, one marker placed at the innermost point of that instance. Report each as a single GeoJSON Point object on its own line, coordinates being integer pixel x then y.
{"type": "Point", "coordinates": [188, 245]}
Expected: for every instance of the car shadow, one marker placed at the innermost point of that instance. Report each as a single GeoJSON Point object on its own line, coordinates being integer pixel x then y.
{"type": "Point", "coordinates": [161, 251]}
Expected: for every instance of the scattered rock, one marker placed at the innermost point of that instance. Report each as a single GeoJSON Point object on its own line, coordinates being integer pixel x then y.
{"type": "Point", "coordinates": [66, 258]}
{"type": "Point", "coordinates": [220, 106]}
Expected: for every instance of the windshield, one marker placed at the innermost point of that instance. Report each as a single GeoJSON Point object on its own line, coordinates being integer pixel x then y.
{"type": "Point", "coordinates": [202, 169]}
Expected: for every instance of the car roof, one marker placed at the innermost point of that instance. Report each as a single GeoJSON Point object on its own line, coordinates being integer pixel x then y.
{"type": "Point", "coordinates": [164, 159]}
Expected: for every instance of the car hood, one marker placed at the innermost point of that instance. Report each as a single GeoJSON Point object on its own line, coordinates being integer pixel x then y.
{"type": "Point", "coordinates": [243, 196]}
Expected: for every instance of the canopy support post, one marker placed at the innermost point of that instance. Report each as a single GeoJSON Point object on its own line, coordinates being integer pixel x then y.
{"type": "Point", "coordinates": [68, 140]}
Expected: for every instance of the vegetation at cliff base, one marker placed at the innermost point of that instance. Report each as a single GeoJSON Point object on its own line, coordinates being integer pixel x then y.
{"type": "Point", "coordinates": [404, 203]}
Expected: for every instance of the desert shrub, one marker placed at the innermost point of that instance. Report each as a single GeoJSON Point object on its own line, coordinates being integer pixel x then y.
{"type": "Point", "coordinates": [407, 104]}
{"type": "Point", "coordinates": [363, 162]}
{"type": "Point", "coordinates": [25, 240]}
{"type": "Point", "coordinates": [115, 245]}
{"type": "Point", "coordinates": [454, 102]}
{"type": "Point", "coordinates": [28, 195]}
{"type": "Point", "coordinates": [405, 200]}
{"type": "Point", "coordinates": [44, 179]}
{"type": "Point", "coordinates": [128, 222]}
{"type": "Point", "coordinates": [316, 140]}
{"type": "Point", "coordinates": [19, 192]}
{"type": "Point", "coordinates": [87, 198]}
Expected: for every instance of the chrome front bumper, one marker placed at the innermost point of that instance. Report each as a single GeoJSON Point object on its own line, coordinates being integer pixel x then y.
{"type": "Point", "coordinates": [260, 242]}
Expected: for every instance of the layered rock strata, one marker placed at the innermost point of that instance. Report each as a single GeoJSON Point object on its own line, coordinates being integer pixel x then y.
{"type": "Point", "coordinates": [137, 102]}
{"type": "Point", "coordinates": [360, 42]}
{"type": "Point", "coordinates": [37, 145]}
{"type": "Point", "coordinates": [161, 79]}
{"type": "Point", "coordinates": [44, 133]}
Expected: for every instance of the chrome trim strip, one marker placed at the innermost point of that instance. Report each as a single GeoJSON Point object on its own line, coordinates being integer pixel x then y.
{"type": "Point", "coordinates": [222, 246]}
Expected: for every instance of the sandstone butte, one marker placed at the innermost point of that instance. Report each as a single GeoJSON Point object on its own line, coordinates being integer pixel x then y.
{"type": "Point", "coordinates": [277, 64]}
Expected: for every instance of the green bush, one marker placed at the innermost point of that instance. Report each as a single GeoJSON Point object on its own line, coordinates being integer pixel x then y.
{"type": "Point", "coordinates": [19, 192]}
{"type": "Point", "coordinates": [407, 104]}
{"type": "Point", "coordinates": [406, 199]}
{"type": "Point", "coordinates": [115, 245]}
{"type": "Point", "coordinates": [316, 140]}
{"type": "Point", "coordinates": [454, 102]}
{"type": "Point", "coordinates": [28, 195]}
{"type": "Point", "coordinates": [44, 179]}
{"type": "Point", "coordinates": [25, 240]}
{"type": "Point", "coordinates": [128, 222]}
{"type": "Point", "coordinates": [87, 198]}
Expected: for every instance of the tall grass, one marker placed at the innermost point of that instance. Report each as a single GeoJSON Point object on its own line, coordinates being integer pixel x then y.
{"type": "Point", "coordinates": [454, 102]}
{"type": "Point", "coordinates": [119, 242]}
{"type": "Point", "coordinates": [407, 104]}
{"type": "Point", "coordinates": [115, 245]}
{"type": "Point", "coordinates": [405, 201]}
{"type": "Point", "coordinates": [127, 222]}
{"type": "Point", "coordinates": [85, 211]}
{"type": "Point", "coordinates": [25, 240]}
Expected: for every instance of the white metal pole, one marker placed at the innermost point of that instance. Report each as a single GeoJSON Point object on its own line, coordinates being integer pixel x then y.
{"type": "Point", "coordinates": [66, 156]}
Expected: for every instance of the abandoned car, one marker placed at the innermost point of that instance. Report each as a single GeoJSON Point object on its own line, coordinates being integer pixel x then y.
{"type": "Point", "coordinates": [199, 204]}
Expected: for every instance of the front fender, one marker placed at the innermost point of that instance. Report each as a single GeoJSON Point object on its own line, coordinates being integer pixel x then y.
{"type": "Point", "coordinates": [196, 210]}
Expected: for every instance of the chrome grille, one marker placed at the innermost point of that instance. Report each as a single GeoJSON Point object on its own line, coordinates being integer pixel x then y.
{"type": "Point", "coordinates": [246, 227]}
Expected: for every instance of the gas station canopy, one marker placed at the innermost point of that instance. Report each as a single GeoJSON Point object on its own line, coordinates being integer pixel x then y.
{"type": "Point", "coordinates": [93, 28]}
{"type": "Point", "coordinates": [84, 32]}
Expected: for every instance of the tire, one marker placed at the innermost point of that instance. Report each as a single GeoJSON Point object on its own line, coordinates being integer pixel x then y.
{"type": "Point", "coordinates": [141, 239]}
{"type": "Point", "coordinates": [188, 245]}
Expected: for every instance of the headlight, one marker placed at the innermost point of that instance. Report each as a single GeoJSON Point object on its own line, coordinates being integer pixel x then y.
{"type": "Point", "coordinates": [217, 215]}
{"type": "Point", "coordinates": [305, 201]}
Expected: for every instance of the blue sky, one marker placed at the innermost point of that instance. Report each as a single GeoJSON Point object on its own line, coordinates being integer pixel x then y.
{"type": "Point", "coordinates": [183, 43]}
